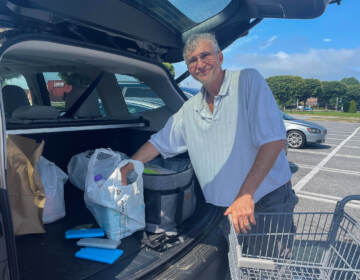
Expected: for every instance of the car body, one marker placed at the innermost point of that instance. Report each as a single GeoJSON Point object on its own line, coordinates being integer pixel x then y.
{"type": "Point", "coordinates": [117, 46]}
{"type": "Point", "coordinates": [301, 132]}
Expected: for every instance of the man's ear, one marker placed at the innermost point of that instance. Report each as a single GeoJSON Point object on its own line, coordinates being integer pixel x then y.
{"type": "Point", "coordinates": [221, 57]}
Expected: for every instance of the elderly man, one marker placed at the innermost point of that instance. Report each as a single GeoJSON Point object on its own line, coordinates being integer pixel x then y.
{"type": "Point", "coordinates": [234, 134]}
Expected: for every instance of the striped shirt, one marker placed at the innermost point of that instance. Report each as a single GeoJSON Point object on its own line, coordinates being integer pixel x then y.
{"type": "Point", "coordinates": [223, 145]}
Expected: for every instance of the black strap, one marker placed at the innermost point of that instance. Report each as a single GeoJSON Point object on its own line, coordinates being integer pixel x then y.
{"type": "Point", "coordinates": [173, 191]}
{"type": "Point", "coordinates": [83, 96]}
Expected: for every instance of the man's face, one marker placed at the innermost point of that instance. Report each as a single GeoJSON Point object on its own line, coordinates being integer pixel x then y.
{"type": "Point", "coordinates": [204, 63]}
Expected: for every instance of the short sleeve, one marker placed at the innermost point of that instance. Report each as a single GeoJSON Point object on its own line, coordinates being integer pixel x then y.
{"type": "Point", "coordinates": [264, 114]}
{"type": "Point", "coordinates": [169, 141]}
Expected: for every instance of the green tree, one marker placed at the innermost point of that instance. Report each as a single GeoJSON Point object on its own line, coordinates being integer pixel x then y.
{"type": "Point", "coordinates": [350, 81]}
{"type": "Point", "coordinates": [331, 90]}
{"type": "Point", "coordinates": [352, 107]}
{"type": "Point", "coordinates": [170, 68]}
{"type": "Point", "coordinates": [352, 93]}
{"type": "Point", "coordinates": [312, 87]}
{"type": "Point", "coordinates": [286, 89]}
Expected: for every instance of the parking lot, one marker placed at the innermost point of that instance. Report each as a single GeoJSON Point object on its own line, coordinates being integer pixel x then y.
{"type": "Point", "coordinates": [323, 174]}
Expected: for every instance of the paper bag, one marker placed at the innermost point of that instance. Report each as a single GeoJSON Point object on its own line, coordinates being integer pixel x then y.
{"type": "Point", "coordinates": [26, 192]}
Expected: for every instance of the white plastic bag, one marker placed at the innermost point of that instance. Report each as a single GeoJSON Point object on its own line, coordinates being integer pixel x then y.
{"type": "Point", "coordinates": [53, 179]}
{"type": "Point", "coordinates": [78, 166]}
{"type": "Point", "coordinates": [118, 209]}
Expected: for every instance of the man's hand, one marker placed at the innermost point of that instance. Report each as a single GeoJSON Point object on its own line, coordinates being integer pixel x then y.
{"type": "Point", "coordinates": [242, 212]}
{"type": "Point", "coordinates": [124, 171]}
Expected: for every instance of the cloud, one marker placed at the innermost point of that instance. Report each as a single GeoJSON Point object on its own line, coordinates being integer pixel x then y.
{"type": "Point", "coordinates": [327, 40]}
{"type": "Point", "coordinates": [269, 42]}
{"type": "Point", "coordinates": [324, 64]}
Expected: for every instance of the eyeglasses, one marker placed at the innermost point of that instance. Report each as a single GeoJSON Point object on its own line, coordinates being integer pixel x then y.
{"type": "Point", "coordinates": [204, 57]}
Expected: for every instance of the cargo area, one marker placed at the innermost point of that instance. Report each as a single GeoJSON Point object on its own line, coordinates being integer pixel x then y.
{"type": "Point", "coordinates": [51, 256]}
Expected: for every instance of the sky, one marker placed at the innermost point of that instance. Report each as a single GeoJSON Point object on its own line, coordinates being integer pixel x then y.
{"type": "Point", "coordinates": [325, 48]}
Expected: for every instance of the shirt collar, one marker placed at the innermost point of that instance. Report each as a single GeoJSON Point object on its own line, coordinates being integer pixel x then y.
{"type": "Point", "coordinates": [202, 106]}
{"type": "Point", "coordinates": [224, 86]}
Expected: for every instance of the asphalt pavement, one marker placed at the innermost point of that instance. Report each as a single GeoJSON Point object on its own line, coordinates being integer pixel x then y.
{"type": "Point", "coordinates": [325, 173]}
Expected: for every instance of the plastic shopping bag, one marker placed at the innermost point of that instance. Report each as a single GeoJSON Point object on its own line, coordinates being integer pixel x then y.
{"type": "Point", "coordinates": [53, 179]}
{"type": "Point", "coordinates": [118, 209]}
{"type": "Point", "coordinates": [78, 166]}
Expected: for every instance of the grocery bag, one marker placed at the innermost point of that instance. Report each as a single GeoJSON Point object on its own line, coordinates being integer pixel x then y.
{"type": "Point", "coordinates": [118, 209]}
{"type": "Point", "coordinates": [25, 189]}
{"type": "Point", "coordinates": [78, 166]}
{"type": "Point", "coordinates": [53, 179]}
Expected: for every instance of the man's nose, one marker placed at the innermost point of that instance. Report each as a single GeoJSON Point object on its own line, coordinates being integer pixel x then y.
{"type": "Point", "coordinates": [200, 63]}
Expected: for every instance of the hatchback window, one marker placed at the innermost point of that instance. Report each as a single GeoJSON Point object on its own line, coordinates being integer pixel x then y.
{"type": "Point", "coordinates": [138, 96]}
{"type": "Point", "coordinates": [66, 87]}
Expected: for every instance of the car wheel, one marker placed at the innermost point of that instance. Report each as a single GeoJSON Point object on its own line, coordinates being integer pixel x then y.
{"type": "Point", "coordinates": [296, 139]}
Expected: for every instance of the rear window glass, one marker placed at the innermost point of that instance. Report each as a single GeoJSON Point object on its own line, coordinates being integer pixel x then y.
{"type": "Point", "coordinates": [138, 96]}
{"type": "Point", "coordinates": [199, 10]}
{"type": "Point", "coordinates": [66, 87]}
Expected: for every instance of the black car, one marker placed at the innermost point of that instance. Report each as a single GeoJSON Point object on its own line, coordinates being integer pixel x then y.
{"type": "Point", "coordinates": [106, 41]}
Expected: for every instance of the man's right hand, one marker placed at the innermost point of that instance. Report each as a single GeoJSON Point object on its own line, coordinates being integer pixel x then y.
{"type": "Point", "coordinates": [124, 171]}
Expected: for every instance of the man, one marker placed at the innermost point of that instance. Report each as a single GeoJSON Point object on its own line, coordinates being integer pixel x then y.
{"type": "Point", "coordinates": [234, 134]}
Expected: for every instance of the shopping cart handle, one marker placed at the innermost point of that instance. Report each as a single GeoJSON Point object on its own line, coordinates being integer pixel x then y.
{"type": "Point", "coordinates": [346, 199]}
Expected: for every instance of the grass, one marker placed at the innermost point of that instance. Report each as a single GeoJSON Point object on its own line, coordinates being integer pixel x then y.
{"type": "Point", "coordinates": [325, 113]}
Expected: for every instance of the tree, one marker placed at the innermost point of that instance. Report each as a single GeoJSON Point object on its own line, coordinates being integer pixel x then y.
{"type": "Point", "coordinates": [170, 68]}
{"type": "Point", "coordinates": [352, 107]}
{"type": "Point", "coordinates": [352, 93]}
{"type": "Point", "coordinates": [330, 90]}
{"type": "Point", "coordinates": [312, 87]}
{"type": "Point", "coordinates": [5, 78]}
{"type": "Point", "coordinates": [286, 89]}
{"type": "Point", "coordinates": [350, 81]}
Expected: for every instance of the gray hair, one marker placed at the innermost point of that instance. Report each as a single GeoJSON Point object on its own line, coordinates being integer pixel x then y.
{"type": "Point", "coordinates": [193, 41]}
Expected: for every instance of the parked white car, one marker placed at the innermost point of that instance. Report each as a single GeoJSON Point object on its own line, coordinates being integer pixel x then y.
{"type": "Point", "coordinates": [301, 132]}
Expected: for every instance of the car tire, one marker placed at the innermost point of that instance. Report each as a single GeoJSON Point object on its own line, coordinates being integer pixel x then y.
{"type": "Point", "coordinates": [296, 139]}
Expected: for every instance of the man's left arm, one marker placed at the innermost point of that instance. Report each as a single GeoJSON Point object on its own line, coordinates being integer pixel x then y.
{"type": "Point", "coordinates": [242, 209]}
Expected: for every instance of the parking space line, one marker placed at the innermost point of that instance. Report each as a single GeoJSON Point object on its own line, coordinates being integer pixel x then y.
{"type": "Point", "coordinates": [350, 147]}
{"type": "Point", "coordinates": [322, 198]}
{"type": "Point", "coordinates": [323, 154]}
{"type": "Point", "coordinates": [328, 169]}
{"type": "Point", "coordinates": [303, 181]}
{"type": "Point", "coordinates": [329, 138]}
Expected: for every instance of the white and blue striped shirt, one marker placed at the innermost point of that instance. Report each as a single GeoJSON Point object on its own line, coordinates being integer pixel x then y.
{"type": "Point", "coordinates": [223, 145]}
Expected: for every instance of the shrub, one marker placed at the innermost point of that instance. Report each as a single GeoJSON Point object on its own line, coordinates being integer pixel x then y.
{"type": "Point", "coordinates": [352, 107]}
{"type": "Point", "coordinates": [346, 106]}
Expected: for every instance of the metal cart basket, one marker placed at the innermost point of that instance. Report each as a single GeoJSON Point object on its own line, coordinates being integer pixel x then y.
{"type": "Point", "coordinates": [317, 245]}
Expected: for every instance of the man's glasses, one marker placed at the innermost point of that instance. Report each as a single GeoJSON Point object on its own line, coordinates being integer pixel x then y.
{"type": "Point", "coordinates": [204, 57]}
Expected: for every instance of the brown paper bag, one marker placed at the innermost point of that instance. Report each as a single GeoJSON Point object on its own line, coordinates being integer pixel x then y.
{"type": "Point", "coordinates": [26, 192]}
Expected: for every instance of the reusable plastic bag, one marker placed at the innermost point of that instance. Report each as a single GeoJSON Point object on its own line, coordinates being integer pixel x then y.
{"type": "Point", "coordinates": [78, 166]}
{"type": "Point", "coordinates": [53, 179]}
{"type": "Point", "coordinates": [118, 209]}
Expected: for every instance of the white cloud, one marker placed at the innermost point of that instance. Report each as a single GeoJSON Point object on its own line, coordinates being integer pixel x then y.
{"type": "Point", "coordinates": [327, 40]}
{"type": "Point", "coordinates": [269, 42]}
{"type": "Point", "coordinates": [324, 64]}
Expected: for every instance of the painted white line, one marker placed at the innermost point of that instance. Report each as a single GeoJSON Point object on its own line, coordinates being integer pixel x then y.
{"type": "Point", "coordinates": [322, 153]}
{"type": "Point", "coordinates": [350, 147]}
{"type": "Point", "coordinates": [314, 171]}
{"type": "Point", "coordinates": [330, 138]}
{"type": "Point", "coordinates": [334, 170]}
{"type": "Point", "coordinates": [320, 195]}
{"type": "Point", "coordinates": [312, 197]}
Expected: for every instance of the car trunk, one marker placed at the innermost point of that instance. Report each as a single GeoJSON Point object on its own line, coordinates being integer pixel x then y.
{"type": "Point", "coordinates": [51, 256]}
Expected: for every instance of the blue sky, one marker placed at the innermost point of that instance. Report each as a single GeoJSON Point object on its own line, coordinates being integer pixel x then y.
{"type": "Point", "coordinates": [326, 48]}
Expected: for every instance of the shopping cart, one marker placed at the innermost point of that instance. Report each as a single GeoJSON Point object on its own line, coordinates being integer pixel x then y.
{"type": "Point", "coordinates": [319, 245]}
